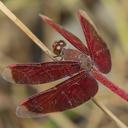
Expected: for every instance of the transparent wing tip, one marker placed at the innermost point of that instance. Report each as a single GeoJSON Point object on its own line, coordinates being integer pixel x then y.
{"type": "Point", "coordinates": [80, 11]}
{"type": "Point", "coordinates": [43, 17]}
{"type": "Point", "coordinates": [23, 112]}
{"type": "Point", "coordinates": [7, 75]}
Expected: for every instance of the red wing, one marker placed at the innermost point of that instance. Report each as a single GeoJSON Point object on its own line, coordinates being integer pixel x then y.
{"type": "Point", "coordinates": [66, 95]}
{"type": "Point", "coordinates": [38, 73]}
{"type": "Point", "coordinates": [76, 42]}
{"type": "Point", "coordinates": [97, 47]}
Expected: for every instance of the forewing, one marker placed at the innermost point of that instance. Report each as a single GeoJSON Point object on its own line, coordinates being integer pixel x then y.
{"type": "Point", "coordinates": [97, 47]}
{"type": "Point", "coordinates": [76, 42]}
{"type": "Point", "coordinates": [38, 73]}
{"type": "Point", "coordinates": [66, 95]}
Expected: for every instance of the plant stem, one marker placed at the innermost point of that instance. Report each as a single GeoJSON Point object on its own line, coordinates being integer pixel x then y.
{"type": "Point", "coordinates": [102, 79]}
{"type": "Point", "coordinates": [113, 117]}
{"type": "Point", "coordinates": [7, 12]}
{"type": "Point", "coordinates": [25, 29]}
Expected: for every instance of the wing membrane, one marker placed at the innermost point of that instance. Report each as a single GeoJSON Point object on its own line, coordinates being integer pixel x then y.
{"type": "Point", "coordinates": [66, 95]}
{"type": "Point", "coordinates": [38, 73]}
{"type": "Point", "coordinates": [97, 47]}
{"type": "Point", "coordinates": [76, 42]}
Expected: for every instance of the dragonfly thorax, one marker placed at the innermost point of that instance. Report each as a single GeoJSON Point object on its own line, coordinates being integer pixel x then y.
{"type": "Point", "coordinates": [85, 62]}
{"type": "Point", "coordinates": [75, 55]}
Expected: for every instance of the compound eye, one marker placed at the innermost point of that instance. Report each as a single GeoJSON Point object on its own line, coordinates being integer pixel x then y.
{"type": "Point", "coordinates": [62, 43]}
{"type": "Point", "coordinates": [58, 46]}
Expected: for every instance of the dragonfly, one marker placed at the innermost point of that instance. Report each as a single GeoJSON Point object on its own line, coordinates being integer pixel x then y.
{"type": "Point", "coordinates": [82, 67]}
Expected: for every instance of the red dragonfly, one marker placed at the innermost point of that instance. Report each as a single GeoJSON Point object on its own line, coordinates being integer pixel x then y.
{"type": "Point", "coordinates": [83, 66]}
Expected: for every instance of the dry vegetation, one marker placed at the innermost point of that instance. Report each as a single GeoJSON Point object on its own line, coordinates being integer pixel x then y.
{"type": "Point", "coordinates": [111, 18]}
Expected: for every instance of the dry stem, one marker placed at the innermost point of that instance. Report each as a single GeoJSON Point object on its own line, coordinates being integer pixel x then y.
{"type": "Point", "coordinates": [25, 29]}
{"type": "Point", "coordinates": [112, 116]}
{"type": "Point", "coordinates": [8, 13]}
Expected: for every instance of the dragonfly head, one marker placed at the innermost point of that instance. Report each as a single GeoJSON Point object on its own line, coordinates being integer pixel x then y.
{"type": "Point", "coordinates": [58, 46]}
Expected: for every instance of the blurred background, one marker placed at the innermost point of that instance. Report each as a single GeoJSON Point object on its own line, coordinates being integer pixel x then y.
{"type": "Point", "coordinates": [111, 19]}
